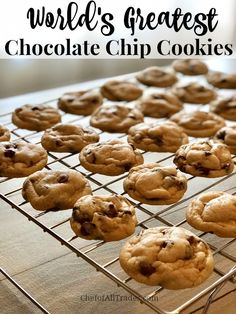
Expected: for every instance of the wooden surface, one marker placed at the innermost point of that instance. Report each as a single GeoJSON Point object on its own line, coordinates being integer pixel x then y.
{"type": "Point", "coordinates": [64, 283]}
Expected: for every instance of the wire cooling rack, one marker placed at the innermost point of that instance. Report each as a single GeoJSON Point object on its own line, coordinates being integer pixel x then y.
{"type": "Point", "coordinates": [56, 224]}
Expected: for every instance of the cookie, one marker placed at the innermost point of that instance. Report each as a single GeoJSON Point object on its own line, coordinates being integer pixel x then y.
{"type": "Point", "coordinates": [213, 212]}
{"type": "Point", "coordinates": [20, 159]}
{"type": "Point", "coordinates": [5, 134]}
{"type": "Point", "coordinates": [222, 80]}
{"type": "Point", "coordinates": [190, 66]}
{"type": "Point", "coordinates": [156, 76]}
{"type": "Point", "coordinates": [194, 93]}
{"type": "Point", "coordinates": [227, 135]}
{"type": "Point", "coordinates": [225, 107]}
{"type": "Point", "coordinates": [198, 123]}
{"type": "Point", "coordinates": [121, 90]}
{"type": "Point", "coordinates": [107, 218]}
{"type": "Point", "coordinates": [157, 137]}
{"type": "Point", "coordinates": [155, 185]}
{"type": "Point", "coordinates": [204, 159]}
{"type": "Point", "coordinates": [81, 103]}
{"type": "Point", "coordinates": [159, 104]}
{"type": "Point", "coordinates": [35, 118]}
{"type": "Point", "coordinates": [110, 158]}
{"type": "Point", "coordinates": [68, 138]}
{"type": "Point", "coordinates": [55, 190]}
{"type": "Point", "coordinates": [115, 118]}
{"type": "Point", "coordinates": [170, 257]}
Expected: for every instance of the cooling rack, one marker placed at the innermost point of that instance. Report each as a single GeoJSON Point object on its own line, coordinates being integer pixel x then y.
{"type": "Point", "coordinates": [56, 224]}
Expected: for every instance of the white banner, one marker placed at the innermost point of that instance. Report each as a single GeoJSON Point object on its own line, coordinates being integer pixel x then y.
{"type": "Point", "coordinates": [117, 29]}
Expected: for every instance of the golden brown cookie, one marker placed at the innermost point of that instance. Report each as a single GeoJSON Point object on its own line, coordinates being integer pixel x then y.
{"type": "Point", "coordinates": [157, 137]}
{"type": "Point", "coordinates": [5, 134]}
{"type": "Point", "coordinates": [121, 90]}
{"type": "Point", "coordinates": [204, 159]}
{"type": "Point", "coordinates": [20, 159]}
{"type": "Point", "coordinates": [81, 103]}
{"type": "Point", "coordinates": [115, 118]}
{"type": "Point", "coordinates": [156, 76]}
{"type": "Point", "coordinates": [68, 138]}
{"type": "Point", "coordinates": [35, 117]}
{"type": "Point", "coordinates": [227, 135]}
{"type": "Point", "coordinates": [110, 158]}
{"type": "Point", "coordinates": [159, 104]}
{"type": "Point", "coordinates": [198, 123]}
{"type": "Point", "coordinates": [155, 185]}
{"type": "Point", "coordinates": [170, 257]}
{"type": "Point", "coordinates": [103, 217]}
{"type": "Point", "coordinates": [55, 190]}
{"type": "Point", "coordinates": [190, 66]}
{"type": "Point", "coordinates": [225, 107]}
{"type": "Point", "coordinates": [194, 93]}
{"type": "Point", "coordinates": [213, 212]}
{"type": "Point", "coordinates": [222, 80]}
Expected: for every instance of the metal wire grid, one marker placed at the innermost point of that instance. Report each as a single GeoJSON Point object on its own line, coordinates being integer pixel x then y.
{"type": "Point", "coordinates": [148, 216]}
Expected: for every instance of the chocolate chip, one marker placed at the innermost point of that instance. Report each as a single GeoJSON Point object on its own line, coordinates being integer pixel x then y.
{"type": "Point", "coordinates": [207, 154]}
{"type": "Point", "coordinates": [221, 135]}
{"type": "Point", "coordinates": [159, 140]}
{"type": "Point", "coordinates": [35, 108]}
{"type": "Point", "coordinates": [70, 99]}
{"type": "Point", "coordinates": [132, 116]}
{"type": "Point", "coordinates": [223, 80]}
{"type": "Point", "coordinates": [80, 218]}
{"type": "Point", "coordinates": [179, 159]}
{"type": "Point", "coordinates": [163, 245]}
{"type": "Point", "coordinates": [90, 156]}
{"type": "Point", "coordinates": [9, 153]}
{"type": "Point", "coordinates": [191, 239]}
{"type": "Point", "coordinates": [181, 185]}
{"type": "Point", "coordinates": [127, 166]}
{"type": "Point", "coordinates": [87, 228]}
{"type": "Point", "coordinates": [111, 211]}
{"type": "Point", "coordinates": [146, 269]}
{"type": "Point", "coordinates": [63, 178]}
{"type": "Point", "coordinates": [202, 170]}
{"type": "Point", "coordinates": [201, 89]}
{"type": "Point", "coordinates": [58, 143]}
{"type": "Point", "coordinates": [226, 166]}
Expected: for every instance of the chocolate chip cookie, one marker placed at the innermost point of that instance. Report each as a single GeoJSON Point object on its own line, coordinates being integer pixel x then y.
{"type": "Point", "coordinates": [225, 107]}
{"type": "Point", "coordinates": [198, 123]}
{"type": "Point", "coordinates": [68, 138]}
{"type": "Point", "coordinates": [81, 103]}
{"type": "Point", "coordinates": [157, 137]}
{"type": "Point", "coordinates": [110, 158]}
{"type": "Point", "coordinates": [159, 104]}
{"type": "Point", "coordinates": [170, 257]}
{"type": "Point", "coordinates": [227, 135]}
{"type": "Point", "coordinates": [155, 185]}
{"type": "Point", "coordinates": [156, 76]}
{"type": "Point", "coordinates": [121, 90]}
{"type": "Point", "coordinates": [214, 212]}
{"type": "Point", "coordinates": [222, 80]}
{"type": "Point", "coordinates": [194, 93]}
{"type": "Point", "coordinates": [204, 159]}
{"type": "Point", "coordinates": [190, 66]}
{"type": "Point", "coordinates": [35, 117]}
{"type": "Point", "coordinates": [115, 118]}
{"type": "Point", "coordinates": [108, 218]}
{"type": "Point", "coordinates": [5, 134]}
{"type": "Point", "coordinates": [55, 190]}
{"type": "Point", "coordinates": [20, 159]}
